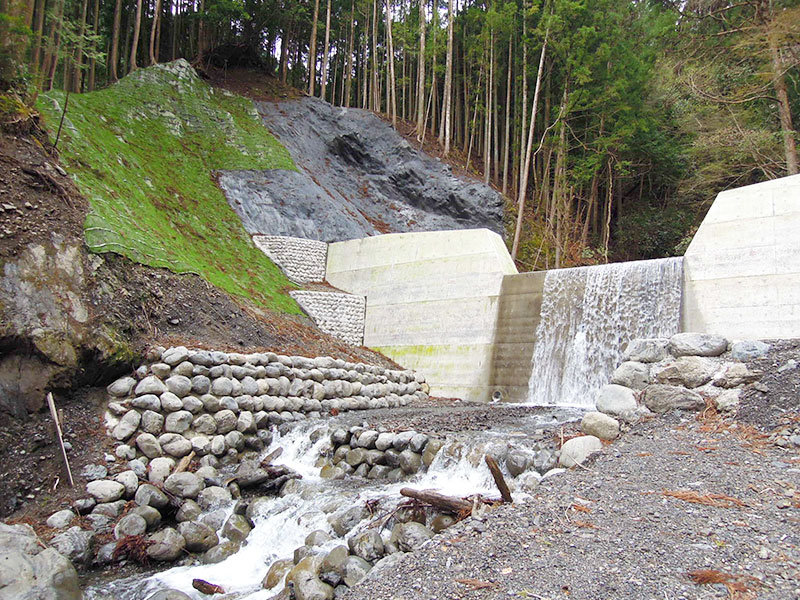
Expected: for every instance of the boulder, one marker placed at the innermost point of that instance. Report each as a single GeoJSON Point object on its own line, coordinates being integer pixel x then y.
{"type": "Point", "coordinates": [697, 344]}
{"type": "Point", "coordinates": [131, 524]}
{"type": "Point", "coordinates": [167, 545]}
{"type": "Point", "coordinates": [127, 425]}
{"type": "Point", "coordinates": [159, 469]}
{"type": "Point", "coordinates": [122, 387]}
{"type": "Point", "coordinates": [104, 490]}
{"type": "Point", "coordinates": [184, 485]}
{"type": "Point", "coordinates": [646, 350]}
{"type": "Point", "coordinates": [410, 536]}
{"type": "Point", "coordinates": [28, 572]}
{"type": "Point", "coordinates": [600, 425]}
{"type": "Point", "coordinates": [367, 545]}
{"type": "Point", "coordinates": [129, 480]}
{"type": "Point", "coordinates": [152, 422]}
{"type": "Point", "coordinates": [170, 402]}
{"type": "Point", "coordinates": [736, 374]}
{"type": "Point", "coordinates": [179, 421]}
{"type": "Point", "coordinates": [75, 544]}
{"type": "Point", "coordinates": [213, 497]}
{"type": "Point", "coordinates": [410, 461]}
{"type": "Point", "coordinates": [149, 514]}
{"type": "Point", "coordinates": [60, 519]}
{"type": "Point", "coordinates": [179, 385]}
{"type": "Point", "coordinates": [517, 461]}
{"type": "Point", "coordinates": [343, 522]}
{"type": "Point", "coordinates": [189, 511]}
{"type": "Point", "coordinates": [175, 444]}
{"type": "Point", "coordinates": [749, 350]}
{"type": "Point", "coordinates": [176, 355]}
{"type": "Point", "coordinates": [236, 528]}
{"type": "Point", "coordinates": [220, 552]}
{"type": "Point", "coordinates": [354, 570]}
{"type": "Point", "coordinates": [615, 399]}
{"type": "Point", "coordinates": [663, 398]}
{"type": "Point", "coordinates": [150, 385]}
{"type": "Point", "coordinates": [169, 595]}
{"type": "Point", "coordinates": [277, 573]}
{"type": "Point", "coordinates": [688, 371]}
{"type": "Point", "coordinates": [577, 450]}
{"type": "Point", "coordinates": [632, 374]}
{"type": "Point", "coordinates": [198, 536]}
{"type": "Point", "coordinates": [150, 495]}
{"type": "Point", "coordinates": [148, 445]}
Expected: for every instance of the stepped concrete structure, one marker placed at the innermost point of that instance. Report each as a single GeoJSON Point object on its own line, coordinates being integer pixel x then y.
{"type": "Point", "coordinates": [742, 268]}
{"type": "Point", "coordinates": [451, 304]}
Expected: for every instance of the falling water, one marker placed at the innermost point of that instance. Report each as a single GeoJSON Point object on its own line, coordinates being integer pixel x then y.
{"type": "Point", "coordinates": [587, 314]}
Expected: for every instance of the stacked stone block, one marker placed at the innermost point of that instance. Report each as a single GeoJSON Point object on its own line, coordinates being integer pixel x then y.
{"type": "Point", "coordinates": [338, 314]}
{"type": "Point", "coordinates": [303, 261]}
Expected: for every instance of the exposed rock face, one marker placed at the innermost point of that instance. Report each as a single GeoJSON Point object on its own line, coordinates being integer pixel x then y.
{"type": "Point", "coordinates": [357, 177]}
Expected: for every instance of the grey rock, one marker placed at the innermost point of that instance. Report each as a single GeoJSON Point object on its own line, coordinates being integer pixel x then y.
{"type": "Point", "coordinates": [94, 472]}
{"type": "Point", "coordinates": [235, 440]}
{"type": "Point", "coordinates": [60, 519]}
{"type": "Point", "coordinates": [201, 444]}
{"type": "Point", "coordinates": [129, 480]}
{"type": "Point", "coordinates": [402, 439]}
{"type": "Point", "coordinates": [697, 344]}
{"type": "Point", "coordinates": [201, 357]}
{"type": "Point", "coordinates": [600, 425]}
{"type": "Point", "coordinates": [150, 385]}
{"type": "Point", "coordinates": [178, 422]}
{"type": "Point", "coordinates": [646, 350]}
{"type": "Point", "coordinates": [214, 497]}
{"type": "Point", "coordinates": [184, 484]}
{"type": "Point", "coordinates": [201, 384]}
{"type": "Point", "coordinates": [220, 552]}
{"type": "Point", "coordinates": [149, 513]}
{"type": "Point", "coordinates": [150, 495]}
{"type": "Point", "coordinates": [75, 544]}
{"type": "Point", "coordinates": [410, 461]}
{"type": "Point", "coordinates": [122, 387]}
{"type": "Point", "coordinates": [147, 402]}
{"type": "Point", "coordinates": [159, 469]}
{"type": "Point", "coordinates": [367, 545]}
{"type": "Point", "coordinates": [727, 401]}
{"type": "Point", "coordinates": [179, 385]}
{"type": "Point", "coordinates": [125, 452]}
{"type": "Point", "coordinates": [173, 356]}
{"type": "Point", "coordinates": [354, 570]}
{"type": "Point", "coordinates": [246, 423]}
{"type": "Point", "coordinates": [576, 450]}
{"type": "Point", "coordinates": [736, 374]}
{"type": "Point", "coordinates": [148, 445]}
{"type": "Point", "coordinates": [170, 402]}
{"type": "Point", "coordinates": [205, 424]}
{"type": "Point", "coordinates": [226, 421]}
{"type": "Point", "coordinates": [167, 545]}
{"type": "Point", "coordinates": [161, 370]}
{"type": "Point", "coordinates": [131, 524]}
{"type": "Point", "coordinates": [193, 404]}
{"type": "Point", "coordinates": [417, 443]}
{"type": "Point", "coordinates": [104, 490]}
{"type": "Point", "coordinates": [186, 369]}
{"type": "Point", "coordinates": [175, 444]}
{"type": "Point", "coordinates": [343, 522]}
{"type": "Point", "coordinates": [109, 509]}
{"type": "Point", "coordinates": [169, 595]}
{"type": "Point", "coordinates": [749, 350]}
{"type": "Point", "coordinates": [236, 528]}
{"type": "Point", "coordinates": [367, 439]}
{"type": "Point", "coordinates": [410, 536]}
{"type": "Point", "coordinates": [84, 505]}
{"type": "Point", "coordinates": [517, 461]}
{"type": "Point", "coordinates": [615, 399]}
{"type": "Point", "coordinates": [189, 511]}
{"type": "Point", "coordinates": [632, 374]}
{"type": "Point", "coordinates": [222, 386]}
{"type": "Point", "coordinates": [663, 398]}
{"type": "Point", "coordinates": [688, 371]}
{"type": "Point", "coordinates": [152, 422]}
{"type": "Point", "coordinates": [198, 536]}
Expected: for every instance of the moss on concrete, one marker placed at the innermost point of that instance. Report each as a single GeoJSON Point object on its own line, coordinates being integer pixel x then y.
{"type": "Point", "coordinates": [143, 152]}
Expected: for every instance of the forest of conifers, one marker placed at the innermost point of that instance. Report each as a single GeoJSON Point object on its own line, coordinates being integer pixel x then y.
{"type": "Point", "coordinates": [609, 125]}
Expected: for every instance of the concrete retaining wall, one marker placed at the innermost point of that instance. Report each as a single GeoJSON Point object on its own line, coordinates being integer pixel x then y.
{"type": "Point", "coordinates": [340, 315]}
{"type": "Point", "coordinates": [741, 271]}
{"type": "Point", "coordinates": [432, 301]}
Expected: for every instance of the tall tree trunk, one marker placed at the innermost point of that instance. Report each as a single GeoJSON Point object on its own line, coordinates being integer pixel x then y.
{"type": "Point", "coordinates": [421, 72]}
{"type": "Point", "coordinates": [283, 65]}
{"type": "Point", "coordinates": [487, 119]}
{"type": "Point", "coordinates": [51, 59]}
{"type": "Point", "coordinates": [348, 88]}
{"type": "Point", "coordinates": [37, 38]}
{"type": "Point", "coordinates": [93, 60]}
{"type": "Point", "coordinates": [201, 31]}
{"type": "Point", "coordinates": [153, 29]}
{"type": "Point", "coordinates": [376, 93]}
{"type": "Point", "coordinates": [77, 75]}
{"type": "Point", "coordinates": [523, 185]}
{"type": "Point", "coordinates": [391, 85]}
{"type": "Point", "coordinates": [524, 112]}
{"type": "Point", "coordinates": [784, 108]}
{"type": "Point", "coordinates": [312, 51]}
{"type": "Point", "coordinates": [447, 100]}
{"type": "Point", "coordinates": [137, 24]}
{"type": "Point", "coordinates": [324, 84]}
{"type": "Point", "coordinates": [507, 136]}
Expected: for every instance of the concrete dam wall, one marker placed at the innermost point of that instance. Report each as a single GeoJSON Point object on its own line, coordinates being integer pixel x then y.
{"type": "Point", "coordinates": [451, 304]}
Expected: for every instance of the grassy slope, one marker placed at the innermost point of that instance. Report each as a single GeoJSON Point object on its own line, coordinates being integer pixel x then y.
{"type": "Point", "coordinates": [143, 152]}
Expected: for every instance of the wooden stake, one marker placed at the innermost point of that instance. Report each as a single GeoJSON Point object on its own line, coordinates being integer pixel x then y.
{"type": "Point", "coordinates": [54, 413]}
{"type": "Point", "coordinates": [505, 493]}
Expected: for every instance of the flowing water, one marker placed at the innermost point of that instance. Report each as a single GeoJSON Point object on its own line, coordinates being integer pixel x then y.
{"type": "Point", "coordinates": [284, 522]}
{"type": "Point", "coordinates": [587, 314]}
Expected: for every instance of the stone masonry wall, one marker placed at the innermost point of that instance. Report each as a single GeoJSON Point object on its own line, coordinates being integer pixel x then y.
{"type": "Point", "coordinates": [340, 315]}
{"type": "Point", "coordinates": [302, 261]}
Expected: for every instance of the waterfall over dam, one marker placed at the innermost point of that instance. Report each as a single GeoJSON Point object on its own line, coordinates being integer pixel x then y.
{"type": "Point", "coordinates": [587, 314]}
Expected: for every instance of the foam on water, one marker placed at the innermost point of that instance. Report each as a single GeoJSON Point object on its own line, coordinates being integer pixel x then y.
{"type": "Point", "coordinates": [587, 314]}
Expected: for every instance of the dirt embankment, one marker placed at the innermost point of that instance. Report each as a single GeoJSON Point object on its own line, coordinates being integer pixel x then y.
{"type": "Point", "coordinates": [70, 319]}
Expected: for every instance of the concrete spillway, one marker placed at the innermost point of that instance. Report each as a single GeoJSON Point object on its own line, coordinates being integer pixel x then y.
{"type": "Point", "coordinates": [587, 314]}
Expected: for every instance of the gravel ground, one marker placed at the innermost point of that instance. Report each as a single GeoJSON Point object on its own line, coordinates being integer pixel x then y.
{"type": "Point", "coordinates": [612, 529]}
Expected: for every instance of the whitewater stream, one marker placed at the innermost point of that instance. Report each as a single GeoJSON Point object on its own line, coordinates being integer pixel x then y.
{"type": "Point", "coordinates": [284, 522]}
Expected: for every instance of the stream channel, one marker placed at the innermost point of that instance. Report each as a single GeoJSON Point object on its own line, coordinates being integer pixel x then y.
{"type": "Point", "coordinates": [284, 521]}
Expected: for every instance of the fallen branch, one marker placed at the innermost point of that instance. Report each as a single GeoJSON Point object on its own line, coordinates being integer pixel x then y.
{"type": "Point", "coordinates": [449, 504]}
{"type": "Point", "coordinates": [715, 500]}
{"type": "Point", "coordinates": [204, 587]}
{"type": "Point", "coordinates": [499, 480]}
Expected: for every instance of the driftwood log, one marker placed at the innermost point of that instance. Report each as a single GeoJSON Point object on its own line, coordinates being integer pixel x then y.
{"type": "Point", "coordinates": [497, 474]}
{"type": "Point", "coordinates": [204, 587]}
{"type": "Point", "coordinates": [440, 501]}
